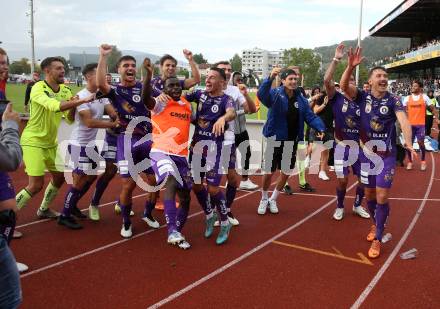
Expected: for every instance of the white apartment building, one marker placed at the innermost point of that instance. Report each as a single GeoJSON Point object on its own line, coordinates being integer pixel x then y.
{"type": "Point", "coordinates": [261, 61]}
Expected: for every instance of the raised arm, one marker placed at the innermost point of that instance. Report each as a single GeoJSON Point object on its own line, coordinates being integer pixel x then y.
{"type": "Point", "coordinates": [354, 59]}
{"type": "Point", "coordinates": [148, 100]}
{"type": "Point", "coordinates": [10, 149]}
{"type": "Point", "coordinates": [195, 79]}
{"type": "Point", "coordinates": [265, 88]}
{"type": "Point", "coordinates": [328, 77]}
{"type": "Point", "coordinates": [249, 105]}
{"type": "Point", "coordinates": [101, 71]}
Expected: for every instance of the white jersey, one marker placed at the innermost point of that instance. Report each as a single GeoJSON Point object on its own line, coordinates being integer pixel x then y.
{"type": "Point", "coordinates": [239, 101]}
{"type": "Point", "coordinates": [81, 134]}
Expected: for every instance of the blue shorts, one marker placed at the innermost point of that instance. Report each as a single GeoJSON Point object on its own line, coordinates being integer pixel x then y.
{"type": "Point", "coordinates": [137, 157]}
{"type": "Point", "coordinates": [343, 158]}
{"type": "Point", "coordinates": [165, 165]}
{"type": "Point", "coordinates": [6, 188]}
{"type": "Point", "coordinates": [378, 175]}
{"type": "Point", "coordinates": [110, 145]}
{"type": "Point", "coordinates": [85, 160]}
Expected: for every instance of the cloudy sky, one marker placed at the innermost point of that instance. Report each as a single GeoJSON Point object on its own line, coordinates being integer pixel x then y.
{"type": "Point", "coordinates": [215, 28]}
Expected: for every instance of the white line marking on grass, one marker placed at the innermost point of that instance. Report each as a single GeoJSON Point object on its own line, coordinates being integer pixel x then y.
{"type": "Point", "coordinates": [399, 245]}
{"type": "Point", "coordinates": [242, 257]}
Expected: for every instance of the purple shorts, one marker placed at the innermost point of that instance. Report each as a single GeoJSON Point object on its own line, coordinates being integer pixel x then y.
{"type": "Point", "coordinates": [344, 159]}
{"type": "Point", "coordinates": [165, 165]}
{"type": "Point", "coordinates": [110, 145]}
{"type": "Point", "coordinates": [85, 160]}
{"type": "Point", "coordinates": [419, 133]}
{"type": "Point", "coordinates": [6, 188]}
{"type": "Point", "coordinates": [207, 163]}
{"type": "Point", "coordinates": [378, 174]}
{"type": "Point", "coordinates": [130, 160]}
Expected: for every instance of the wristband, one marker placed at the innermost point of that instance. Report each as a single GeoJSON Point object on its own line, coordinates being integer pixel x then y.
{"type": "Point", "coordinates": [336, 59]}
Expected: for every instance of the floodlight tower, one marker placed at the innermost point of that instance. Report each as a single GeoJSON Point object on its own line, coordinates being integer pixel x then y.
{"type": "Point", "coordinates": [359, 39]}
{"type": "Point", "coordinates": [31, 32]}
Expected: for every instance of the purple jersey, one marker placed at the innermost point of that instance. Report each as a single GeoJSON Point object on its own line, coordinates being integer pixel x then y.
{"type": "Point", "coordinates": [127, 102]}
{"type": "Point", "coordinates": [378, 119]}
{"type": "Point", "coordinates": [209, 110]}
{"type": "Point", "coordinates": [347, 117]}
{"type": "Point", "coordinates": [158, 84]}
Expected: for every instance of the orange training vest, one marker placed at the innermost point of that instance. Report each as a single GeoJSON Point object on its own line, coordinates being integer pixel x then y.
{"type": "Point", "coordinates": [416, 111]}
{"type": "Point", "coordinates": [171, 128]}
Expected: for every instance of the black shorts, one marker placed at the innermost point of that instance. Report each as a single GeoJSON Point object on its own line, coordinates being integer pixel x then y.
{"type": "Point", "coordinates": [274, 153]}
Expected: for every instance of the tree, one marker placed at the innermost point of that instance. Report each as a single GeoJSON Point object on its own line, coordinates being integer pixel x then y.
{"type": "Point", "coordinates": [198, 58]}
{"type": "Point", "coordinates": [112, 59]}
{"type": "Point", "coordinates": [236, 63]}
{"type": "Point", "coordinates": [20, 67]}
{"type": "Point", "coordinates": [309, 64]}
{"type": "Point", "coordinates": [183, 72]}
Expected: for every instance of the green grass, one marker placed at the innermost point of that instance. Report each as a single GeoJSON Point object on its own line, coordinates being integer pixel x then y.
{"type": "Point", "coordinates": [15, 93]}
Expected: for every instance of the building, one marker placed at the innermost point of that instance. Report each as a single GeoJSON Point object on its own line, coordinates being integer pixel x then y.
{"type": "Point", "coordinates": [261, 61]}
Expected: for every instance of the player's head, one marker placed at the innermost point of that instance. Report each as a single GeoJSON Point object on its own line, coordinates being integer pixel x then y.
{"type": "Point", "coordinates": [168, 66]}
{"type": "Point", "coordinates": [173, 88]}
{"type": "Point", "coordinates": [378, 79]}
{"type": "Point", "coordinates": [127, 68]}
{"type": "Point", "coordinates": [3, 64]}
{"type": "Point", "coordinates": [215, 80]}
{"type": "Point", "coordinates": [430, 93]}
{"type": "Point", "coordinates": [416, 87]}
{"type": "Point", "coordinates": [108, 78]}
{"type": "Point", "coordinates": [89, 73]}
{"type": "Point", "coordinates": [237, 78]}
{"type": "Point", "coordinates": [366, 87]}
{"type": "Point", "coordinates": [337, 87]}
{"type": "Point", "coordinates": [53, 68]}
{"type": "Point", "coordinates": [289, 79]}
{"type": "Point", "coordinates": [226, 66]}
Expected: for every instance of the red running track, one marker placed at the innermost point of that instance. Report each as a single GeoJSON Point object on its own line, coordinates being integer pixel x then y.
{"type": "Point", "coordinates": [298, 258]}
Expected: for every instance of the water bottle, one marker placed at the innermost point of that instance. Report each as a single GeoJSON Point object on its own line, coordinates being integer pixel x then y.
{"type": "Point", "coordinates": [410, 254]}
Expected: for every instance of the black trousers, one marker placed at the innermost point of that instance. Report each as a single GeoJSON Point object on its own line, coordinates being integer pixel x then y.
{"type": "Point", "coordinates": [429, 120]}
{"type": "Point", "coordinates": [243, 137]}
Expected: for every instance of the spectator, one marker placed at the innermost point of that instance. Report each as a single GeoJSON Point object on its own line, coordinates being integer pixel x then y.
{"type": "Point", "coordinates": [35, 78]}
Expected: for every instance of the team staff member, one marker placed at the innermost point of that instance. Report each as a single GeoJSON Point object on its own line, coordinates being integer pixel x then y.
{"type": "Point", "coordinates": [284, 128]}
{"type": "Point", "coordinates": [50, 100]}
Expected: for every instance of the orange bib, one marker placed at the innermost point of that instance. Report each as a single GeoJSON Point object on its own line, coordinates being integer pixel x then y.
{"type": "Point", "coordinates": [416, 111]}
{"type": "Point", "coordinates": [171, 128]}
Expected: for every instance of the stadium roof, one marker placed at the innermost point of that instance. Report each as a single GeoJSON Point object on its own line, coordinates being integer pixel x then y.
{"type": "Point", "coordinates": [409, 18]}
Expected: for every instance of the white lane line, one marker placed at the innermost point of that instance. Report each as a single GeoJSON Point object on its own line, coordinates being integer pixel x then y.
{"type": "Point", "coordinates": [83, 210]}
{"type": "Point", "coordinates": [399, 245]}
{"type": "Point", "coordinates": [76, 257]}
{"type": "Point", "coordinates": [242, 257]}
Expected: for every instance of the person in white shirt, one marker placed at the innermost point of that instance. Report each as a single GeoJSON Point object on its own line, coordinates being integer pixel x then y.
{"type": "Point", "coordinates": [83, 150]}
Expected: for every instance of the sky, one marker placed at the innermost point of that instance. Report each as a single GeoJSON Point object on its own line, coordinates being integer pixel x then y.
{"type": "Point", "coordinates": [217, 29]}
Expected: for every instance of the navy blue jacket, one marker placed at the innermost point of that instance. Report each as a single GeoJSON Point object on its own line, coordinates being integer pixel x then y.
{"type": "Point", "coordinates": [276, 100]}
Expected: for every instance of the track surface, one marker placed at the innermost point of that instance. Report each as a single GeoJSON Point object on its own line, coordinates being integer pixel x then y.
{"type": "Point", "coordinates": [298, 258]}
